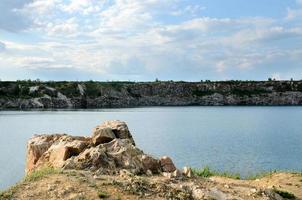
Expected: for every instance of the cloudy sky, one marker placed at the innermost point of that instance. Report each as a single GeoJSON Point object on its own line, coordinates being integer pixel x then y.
{"type": "Point", "coordinates": [147, 39]}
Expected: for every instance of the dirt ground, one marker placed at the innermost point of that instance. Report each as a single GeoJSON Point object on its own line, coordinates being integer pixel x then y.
{"type": "Point", "coordinates": [81, 185]}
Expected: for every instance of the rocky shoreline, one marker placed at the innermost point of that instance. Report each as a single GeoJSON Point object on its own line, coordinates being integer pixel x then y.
{"type": "Point", "coordinates": [108, 165]}
{"type": "Point", "coordinates": [59, 95]}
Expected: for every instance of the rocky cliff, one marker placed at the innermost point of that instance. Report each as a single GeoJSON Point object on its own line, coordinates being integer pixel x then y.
{"type": "Point", "coordinates": [33, 94]}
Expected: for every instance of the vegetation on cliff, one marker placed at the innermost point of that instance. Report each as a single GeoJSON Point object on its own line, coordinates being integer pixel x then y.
{"type": "Point", "coordinates": [92, 94]}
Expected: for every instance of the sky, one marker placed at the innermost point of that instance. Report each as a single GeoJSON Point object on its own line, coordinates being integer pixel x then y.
{"type": "Point", "coordinates": [141, 40]}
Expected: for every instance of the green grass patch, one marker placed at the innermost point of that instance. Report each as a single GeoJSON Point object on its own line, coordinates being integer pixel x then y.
{"type": "Point", "coordinates": [40, 173]}
{"type": "Point", "coordinates": [207, 172]}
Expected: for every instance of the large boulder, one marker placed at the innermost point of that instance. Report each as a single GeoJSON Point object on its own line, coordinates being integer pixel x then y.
{"type": "Point", "coordinates": [110, 150]}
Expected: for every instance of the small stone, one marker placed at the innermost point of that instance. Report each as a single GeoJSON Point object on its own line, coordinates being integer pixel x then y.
{"type": "Point", "coordinates": [125, 173]}
{"type": "Point", "coordinates": [167, 164]}
{"type": "Point", "coordinates": [63, 192]}
{"type": "Point", "coordinates": [227, 186]}
{"type": "Point", "coordinates": [253, 190]}
{"type": "Point", "coordinates": [149, 173]}
{"type": "Point", "coordinates": [50, 188]}
{"type": "Point", "coordinates": [167, 174]}
{"type": "Point", "coordinates": [177, 173]}
{"type": "Point", "coordinates": [198, 193]}
{"type": "Point", "coordinates": [187, 171]}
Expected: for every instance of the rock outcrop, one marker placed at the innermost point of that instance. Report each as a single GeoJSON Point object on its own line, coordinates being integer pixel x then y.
{"type": "Point", "coordinates": [29, 94]}
{"type": "Point", "coordinates": [110, 149]}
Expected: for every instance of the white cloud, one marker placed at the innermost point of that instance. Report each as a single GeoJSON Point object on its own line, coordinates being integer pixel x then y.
{"type": "Point", "coordinates": [83, 6]}
{"type": "Point", "coordinates": [68, 27]}
{"type": "Point", "coordinates": [134, 36]}
{"type": "Point", "coordinates": [40, 6]}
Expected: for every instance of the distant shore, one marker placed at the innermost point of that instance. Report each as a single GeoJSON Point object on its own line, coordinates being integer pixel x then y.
{"type": "Point", "coordinates": [23, 95]}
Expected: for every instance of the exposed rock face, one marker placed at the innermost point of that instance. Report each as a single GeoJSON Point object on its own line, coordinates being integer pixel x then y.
{"type": "Point", "coordinates": [110, 149]}
{"type": "Point", "coordinates": [27, 95]}
{"type": "Point", "coordinates": [103, 135]}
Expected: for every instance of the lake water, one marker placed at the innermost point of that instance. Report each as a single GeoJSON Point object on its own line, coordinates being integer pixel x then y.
{"type": "Point", "coordinates": [237, 139]}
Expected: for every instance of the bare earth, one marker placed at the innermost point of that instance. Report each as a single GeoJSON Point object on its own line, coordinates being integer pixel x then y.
{"type": "Point", "coordinates": [83, 185]}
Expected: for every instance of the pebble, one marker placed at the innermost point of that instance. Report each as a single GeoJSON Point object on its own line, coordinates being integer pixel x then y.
{"type": "Point", "coordinates": [50, 187]}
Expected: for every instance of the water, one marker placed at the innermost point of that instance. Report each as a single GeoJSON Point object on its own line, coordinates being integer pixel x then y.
{"type": "Point", "coordinates": [237, 139]}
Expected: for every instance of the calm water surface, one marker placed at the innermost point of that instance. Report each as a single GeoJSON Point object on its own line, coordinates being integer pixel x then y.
{"type": "Point", "coordinates": [237, 139]}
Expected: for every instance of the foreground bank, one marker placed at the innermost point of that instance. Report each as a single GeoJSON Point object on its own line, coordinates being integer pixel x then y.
{"type": "Point", "coordinates": [109, 165]}
{"type": "Point", "coordinates": [35, 94]}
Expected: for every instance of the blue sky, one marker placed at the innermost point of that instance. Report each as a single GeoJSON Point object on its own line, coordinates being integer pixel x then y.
{"type": "Point", "coordinates": [146, 39]}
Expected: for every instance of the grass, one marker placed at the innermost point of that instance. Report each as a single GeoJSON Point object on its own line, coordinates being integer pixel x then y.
{"type": "Point", "coordinates": [207, 172]}
{"type": "Point", "coordinates": [38, 174]}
